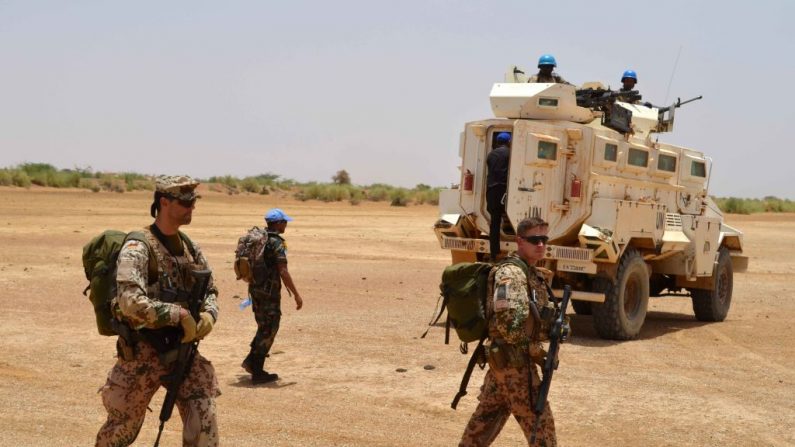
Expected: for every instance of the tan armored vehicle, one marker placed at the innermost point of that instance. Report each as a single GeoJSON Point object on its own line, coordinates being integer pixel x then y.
{"type": "Point", "coordinates": [629, 216]}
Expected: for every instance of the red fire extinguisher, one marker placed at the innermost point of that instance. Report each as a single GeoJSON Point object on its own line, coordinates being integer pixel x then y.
{"type": "Point", "coordinates": [576, 188]}
{"type": "Point", "coordinates": [469, 180]}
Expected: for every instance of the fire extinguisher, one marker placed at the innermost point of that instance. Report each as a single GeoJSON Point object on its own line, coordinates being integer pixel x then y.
{"type": "Point", "coordinates": [576, 188]}
{"type": "Point", "coordinates": [469, 181]}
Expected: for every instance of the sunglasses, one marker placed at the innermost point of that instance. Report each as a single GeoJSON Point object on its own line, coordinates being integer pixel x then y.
{"type": "Point", "coordinates": [184, 203]}
{"type": "Point", "coordinates": [535, 239]}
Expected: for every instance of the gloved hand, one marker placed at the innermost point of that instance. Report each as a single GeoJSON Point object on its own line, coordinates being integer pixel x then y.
{"type": "Point", "coordinates": [188, 327]}
{"type": "Point", "coordinates": [205, 325]}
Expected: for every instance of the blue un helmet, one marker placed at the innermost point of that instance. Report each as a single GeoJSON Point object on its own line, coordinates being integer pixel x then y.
{"type": "Point", "coordinates": [504, 137]}
{"type": "Point", "coordinates": [547, 59]}
{"type": "Point", "coordinates": [629, 74]}
{"type": "Point", "coordinates": [277, 215]}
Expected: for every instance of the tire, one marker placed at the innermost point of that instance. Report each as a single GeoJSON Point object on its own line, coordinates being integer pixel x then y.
{"type": "Point", "coordinates": [622, 314]}
{"type": "Point", "coordinates": [582, 307]}
{"type": "Point", "coordinates": [713, 305]}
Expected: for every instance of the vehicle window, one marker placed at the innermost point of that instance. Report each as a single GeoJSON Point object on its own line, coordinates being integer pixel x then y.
{"type": "Point", "coordinates": [547, 150]}
{"type": "Point", "coordinates": [698, 169]}
{"type": "Point", "coordinates": [666, 163]}
{"type": "Point", "coordinates": [611, 152]}
{"type": "Point", "coordinates": [638, 157]}
{"type": "Point", "coordinates": [548, 102]}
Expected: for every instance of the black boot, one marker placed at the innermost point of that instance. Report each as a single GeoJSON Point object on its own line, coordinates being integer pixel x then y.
{"type": "Point", "coordinates": [264, 377]}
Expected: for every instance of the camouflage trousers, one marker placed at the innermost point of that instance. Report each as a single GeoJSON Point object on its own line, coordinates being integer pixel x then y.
{"type": "Point", "coordinates": [505, 392]}
{"type": "Point", "coordinates": [268, 315]}
{"type": "Point", "coordinates": [131, 385]}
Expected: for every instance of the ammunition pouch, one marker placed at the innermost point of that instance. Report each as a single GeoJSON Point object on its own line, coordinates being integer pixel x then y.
{"type": "Point", "coordinates": [501, 355]}
{"type": "Point", "coordinates": [126, 343]}
{"type": "Point", "coordinates": [172, 295]}
{"type": "Point", "coordinates": [165, 341]}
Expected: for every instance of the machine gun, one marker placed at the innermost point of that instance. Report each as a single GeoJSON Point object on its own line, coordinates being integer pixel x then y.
{"type": "Point", "coordinates": [601, 99]}
{"type": "Point", "coordinates": [557, 335]}
{"type": "Point", "coordinates": [665, 117]}
{"type": "Point", "coordinates": [186, 353]}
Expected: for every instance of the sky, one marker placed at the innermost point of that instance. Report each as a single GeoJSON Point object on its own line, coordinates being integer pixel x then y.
{"type": "Point", "coordinates": [381, 89]}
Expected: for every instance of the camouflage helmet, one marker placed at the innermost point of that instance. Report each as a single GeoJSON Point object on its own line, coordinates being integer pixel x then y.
{"type": "Point", "coordinates": [181, 187]}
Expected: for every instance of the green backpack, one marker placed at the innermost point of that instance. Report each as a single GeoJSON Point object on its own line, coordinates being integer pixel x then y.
{"type": "Point", "coordinates": [465, 291]}
{"type": "Point", "coordinates": [99, 264]}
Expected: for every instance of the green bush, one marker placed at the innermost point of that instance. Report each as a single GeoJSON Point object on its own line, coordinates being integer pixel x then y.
{"type": "Point", "coordinates": [21, 178]}
{"type": "Point", "coordinates": [5, 178]}
{"type": "Point", "coordinates": [399, 197]}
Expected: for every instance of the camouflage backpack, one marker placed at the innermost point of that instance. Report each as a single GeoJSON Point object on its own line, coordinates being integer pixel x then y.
{"type": "Point", "coordinates": [99, 264]}
{"type": "Point", "coordinates": [249, 260]}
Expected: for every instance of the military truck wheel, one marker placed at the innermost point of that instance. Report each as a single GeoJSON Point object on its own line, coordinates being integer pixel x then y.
{"type": "Point", "coordinates": [713, 305]}
{"type": "Point", "coordinates": [622, 314]}
{"type": "Point", "coordinates": [582, 307]}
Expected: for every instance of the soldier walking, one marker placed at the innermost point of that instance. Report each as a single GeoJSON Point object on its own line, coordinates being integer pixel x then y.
{"type": "Point", "coordinates": [148, 305]}
{"type": "Point", "coordinates": [520, 316]}
{"type": "Point", "coordinates": [266, 295]}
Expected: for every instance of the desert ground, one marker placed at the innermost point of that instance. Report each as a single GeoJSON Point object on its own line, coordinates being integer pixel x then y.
{"type": "Point", "coordinates": [369, 277]}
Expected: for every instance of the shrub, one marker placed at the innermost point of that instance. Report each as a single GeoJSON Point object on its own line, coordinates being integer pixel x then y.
{"type": "Point", "coordinates": [5, 178]}
{"type": "Point", "coordinates": [399, 197]}
{"type": "Point", "coordinates": [21, 178]}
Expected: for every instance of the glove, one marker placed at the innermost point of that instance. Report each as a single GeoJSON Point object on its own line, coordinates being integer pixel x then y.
{"type": "Point", "coordinates": [188, 328]}
{"type": "Point", "coordinates": [205, 325]}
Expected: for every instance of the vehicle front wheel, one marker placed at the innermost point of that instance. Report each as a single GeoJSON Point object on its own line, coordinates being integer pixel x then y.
{"type": "Point", "coordinates": [622, 314]}
{"type": "Point", "coordinates": [713, 305]}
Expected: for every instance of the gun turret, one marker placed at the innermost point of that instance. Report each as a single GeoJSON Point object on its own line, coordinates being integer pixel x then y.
{"type": "Point", "coordinates": [600, 99]}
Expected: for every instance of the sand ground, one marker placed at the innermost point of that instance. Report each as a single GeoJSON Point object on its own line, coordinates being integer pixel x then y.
{"type": "Point", "coordinates": [369, 276]}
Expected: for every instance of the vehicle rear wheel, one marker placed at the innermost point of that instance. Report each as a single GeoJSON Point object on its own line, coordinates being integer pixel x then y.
{"type": "Point", "coordinates": [622, 314]}
{"type": "Point", "coordinates": [713, 305]}
{"type": "Point", "coordinates": [582, 307]}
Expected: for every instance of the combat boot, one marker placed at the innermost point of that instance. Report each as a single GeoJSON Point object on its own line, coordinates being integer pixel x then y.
{"type": "Point", "coordinates": [264, 377]}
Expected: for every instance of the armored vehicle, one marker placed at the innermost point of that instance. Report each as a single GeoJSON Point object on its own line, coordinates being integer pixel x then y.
{"type": "Point", "coordinates": [629, 216]}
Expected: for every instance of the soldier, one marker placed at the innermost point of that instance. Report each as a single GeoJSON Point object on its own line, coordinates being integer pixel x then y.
{"type": "Point", "coordinates": [628, 80]}
{"type": "Point", "coordinates": [515, 333]}
{"type": "Point", "coordinates": [266, 299]}
{"type": "Point", "coordinates": [147, 304]}
{"type": "Point", "coordinates": [547, 63]}
{"type": "Point", "coordinates": [496, 184]}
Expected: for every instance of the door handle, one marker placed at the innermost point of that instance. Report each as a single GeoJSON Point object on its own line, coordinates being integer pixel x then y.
{"type": "Point", "coordinates": [525, 189]}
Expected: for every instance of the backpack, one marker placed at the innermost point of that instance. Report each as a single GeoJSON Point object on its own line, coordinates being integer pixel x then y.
{"type": "Point", "coordinates": [250, 248]}
{"type": "Point", "coordinates": [99, 263]}
{"type": "Point", "coordinates": [465, 289]}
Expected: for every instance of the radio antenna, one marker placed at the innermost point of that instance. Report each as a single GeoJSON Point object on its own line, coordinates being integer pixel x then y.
{"type": "Point", "coordinates": [670, 81]}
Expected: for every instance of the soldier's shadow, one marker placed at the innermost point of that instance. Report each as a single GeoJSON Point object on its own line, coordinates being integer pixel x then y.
{"type": "Point", "coordinates": [656, 325]}
{"type": "Point", "coordinates": [244, 381]}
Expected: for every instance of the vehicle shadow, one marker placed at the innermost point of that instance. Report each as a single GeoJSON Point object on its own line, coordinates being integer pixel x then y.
{"type": "Point", "coordinates": [657, 324]}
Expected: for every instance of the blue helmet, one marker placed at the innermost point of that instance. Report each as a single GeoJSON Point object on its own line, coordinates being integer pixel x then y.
{"type": "Point", "coordinates": [547, 59]}
{"type": "Point", "coordinates": [629, 74]}
{"type": "Point", "coordinates": [277, 215]}
{"type": "Point", "coordinates": [504, 137]}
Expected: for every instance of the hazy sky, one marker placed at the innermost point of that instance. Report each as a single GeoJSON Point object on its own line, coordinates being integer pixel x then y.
{"type": "Point", "coordinates": [381, 89]}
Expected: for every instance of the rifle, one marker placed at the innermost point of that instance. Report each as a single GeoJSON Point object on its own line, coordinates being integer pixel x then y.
{"type": "Point", "coordinates": [557, 335]}
{"type": "Point", "coordinates": [186, 353]}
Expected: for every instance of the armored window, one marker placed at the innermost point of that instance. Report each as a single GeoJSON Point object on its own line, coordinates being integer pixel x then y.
{"type": "Point", "coordinates": [611, 152]}
{"type": "Point", "coordinates": [666, 163]}
{"type": "Point", "coordinates": [548, 102]}
{"type": "Point", "coordinates": [698, 169]}
{"type": "Point", "coordinates": [638, 157]}
{"type": "Point", "coordinates": [547, 150]}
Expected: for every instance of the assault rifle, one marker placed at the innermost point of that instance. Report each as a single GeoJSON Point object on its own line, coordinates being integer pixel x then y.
{"type": "Point", "coordinates": [186, 353]}
{"type": "Point", "coordinates": [597, 98]}
{"type": "Point", "coordinates": [557, 335]}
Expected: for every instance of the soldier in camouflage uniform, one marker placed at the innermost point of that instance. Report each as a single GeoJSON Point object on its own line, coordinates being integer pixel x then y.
{"type": "Point", "coordinates": [547, 63]}
{"type": "Point", "coordinates": [515, 332]}
{"type": "Point", "coordinates": [148, 304]}
{"type": "Point", "coordinates": [266, 296]}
